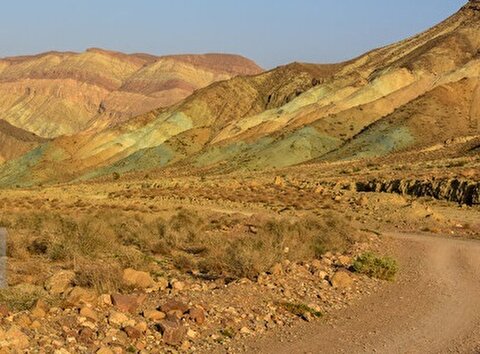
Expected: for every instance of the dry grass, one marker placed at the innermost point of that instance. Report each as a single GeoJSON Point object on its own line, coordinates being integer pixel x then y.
{"type": "Point", "coordinates": [99, 246]}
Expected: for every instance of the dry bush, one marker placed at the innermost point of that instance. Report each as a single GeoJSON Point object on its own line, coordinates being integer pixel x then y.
{"type": "Point", "coordinates": [247, 255]}
{"type": "Point", "coordinates": [104, 277]}
{"type": "Point", "coordinates": [221, 246]}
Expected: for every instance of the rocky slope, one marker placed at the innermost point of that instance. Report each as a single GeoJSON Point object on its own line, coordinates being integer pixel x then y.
{"type": "Point", "coordinates": [15, 141]}
{"type": "Point", "coordinates": [409, 96]}
{"type": "Point", "coordinates": [54, 93]}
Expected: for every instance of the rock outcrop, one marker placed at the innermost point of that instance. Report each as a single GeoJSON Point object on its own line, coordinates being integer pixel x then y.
{"type": "Point", "coordinates": [453, 190]}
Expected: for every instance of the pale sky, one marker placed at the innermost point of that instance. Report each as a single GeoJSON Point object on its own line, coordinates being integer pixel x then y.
{"type": "Point", "coordinates": [271, 32]}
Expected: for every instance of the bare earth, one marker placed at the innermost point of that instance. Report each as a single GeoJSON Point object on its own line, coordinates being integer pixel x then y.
{"type": "Point", "coordinates": [434, 307]}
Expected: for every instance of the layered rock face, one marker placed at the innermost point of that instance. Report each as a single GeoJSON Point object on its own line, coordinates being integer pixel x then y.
{"type": "Point", "coordinates": [453, 190]}
{"type": "Point", "coordinates": [55, 94]}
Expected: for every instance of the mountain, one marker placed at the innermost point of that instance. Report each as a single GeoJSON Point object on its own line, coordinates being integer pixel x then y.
{"type": "Point", "coordinates": [16, 141]}
{"type": "Point", "coordinates": [414, 95]}
{"type": "Point", "coordinates": [55, 93]}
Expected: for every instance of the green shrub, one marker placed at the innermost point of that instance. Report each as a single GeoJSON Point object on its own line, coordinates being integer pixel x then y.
{"type": "Point", "coordinates": [300, 310]}
{"type": "Point", "coordinates": [376, 267]}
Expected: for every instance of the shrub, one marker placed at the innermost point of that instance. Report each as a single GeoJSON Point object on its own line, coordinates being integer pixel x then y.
{"type": "Point", "coordinates": [300, 310]}
{"type": "Point", "coordinates": [374, 266]}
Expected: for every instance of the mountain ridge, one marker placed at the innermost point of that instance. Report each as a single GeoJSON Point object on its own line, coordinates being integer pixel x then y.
{"type": "Point", "coordinates": [408, 96]}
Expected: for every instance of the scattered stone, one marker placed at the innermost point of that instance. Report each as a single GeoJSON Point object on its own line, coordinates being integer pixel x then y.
{"type": "Point", "coordinates": [344, 261]}
{"type": "Point", "coordinates": [16, 339]}
{"type": "Point", "coordinates": [80, 296]}
{"type": "Point", "coordinates": [279, 181]}
{"type": "Point", "coordinates": [173, 305]}
{"type": "Point", "coordinates": [341, 279]}
{"type": "Point", "coordinates": [128, 303]}
{"type": "Point", "coordinates": [192, 334]}
{"type": "Point", "coordinates": [137, 279]}
{"type": "Point", "coordinates": [245, 330]}
{"type": "Point", "coordinates": [60, 282]}
{"type": "Point", "coordinates": [173, 333]}
{"type": "Point", "coordinates": [154, 315]}
{"type": "Point", "coordinates": [132, 332]}
{"type": "Point", "coordinates": [178, 285]}
{"type": "Point", "coordinates": [197, 314]}
{"type": "Point", "coordinates": [117, 318]}
{"type": "Point", "coordinates": [89, 313]}
{"type": "Point", "coordinates": [105, 300]}
{"type": "Point", "coordinates": [4, 311]}
{"type": "Point", "coordinates": [162, 283]}
{"type": "Point", "coordinates": [142, 326]}
{"type": "Point", "coordinates": [38, 312]}
{"type": "Point", "coordinates": [104, 350]}
{"type": "Point", "coordinates": [277, 269]}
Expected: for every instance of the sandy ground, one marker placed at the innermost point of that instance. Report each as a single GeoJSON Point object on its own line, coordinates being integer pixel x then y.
{"type": "Point", "coordinates": [433, 307]}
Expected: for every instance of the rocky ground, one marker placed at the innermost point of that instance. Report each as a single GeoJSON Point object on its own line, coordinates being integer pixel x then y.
{"type": "Point", "coordinates": [171, 310]}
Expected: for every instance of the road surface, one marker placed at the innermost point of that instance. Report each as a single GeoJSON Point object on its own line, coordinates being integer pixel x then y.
{"type": "Point", "coordinates": [433, 307]}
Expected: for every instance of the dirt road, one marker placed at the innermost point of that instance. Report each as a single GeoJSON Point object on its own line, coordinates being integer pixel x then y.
{"type": "Point", "coordinates": [433, 307]}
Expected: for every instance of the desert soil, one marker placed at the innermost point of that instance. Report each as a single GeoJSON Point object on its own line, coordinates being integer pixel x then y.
{"type": "Point", "coordinates": [433, 307]}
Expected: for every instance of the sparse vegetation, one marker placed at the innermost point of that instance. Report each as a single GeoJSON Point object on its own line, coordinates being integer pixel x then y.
{"type": "Point", "coordinates": [375, 266]}
{"type": "Point", "coordinates": [300, 310]}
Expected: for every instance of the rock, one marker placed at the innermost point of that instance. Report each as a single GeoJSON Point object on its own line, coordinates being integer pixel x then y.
{"type": "Point", "coordinates": [86, 335]}
{"type": "Point", "coordinates": [162, 283]}
{"type": "Point", "coordinates": [277, 269]}
{"type": "Point", "coordinates": [341, 279]}
{"type": "Point", "coordinates": [279, 181]}
{"type": "Point", "coordinates": [16, 339]}
{"type": "Point", "coordinates": [245, 330]}
{"type": "Point", "coordinates": [197, 314]}
{"type": "Point", "coordinates": [344, 261]}
{"type": "Point", "coordinates": [60, 282]}
{"type": "Point", "coordinates": [192, 334]}
{"type": "Point", "coordinates": [117, 318]}
{"type": "Point", "coordinates": [105, 300]}
{"type": "Point", "coordinates": [38, 312]}
{"type": "Point", "coordinates": [104, 350]}
{"type": "Point", "coordinates": [154, 315]}
{"type": "Point", "coordinates": [4, 311]}
{"type": "Point", "coordinates": [185, 347]}
{"type": "Point", "coordinates": [36, 324]}
{"type": "Point", "coordinates": [80, 296]}
{"type": "Point", "coordinates": [321, 274]}
{"type": "Point", "coordinates": [172, 332]}
{"type": "Point", "coordinates": [174, 315]}
{"type": "Point", "coordinates": [178, 285]}
{"type": "Point", "coordinates": [132, 332]}
{"type": "Point", "coordinates": [61, 351]}
{"type": "Point", "coordinates": [362, 201]}
{"type": "Point", "coordinates": [142, 326]}
{"type": "Point", "coordinates": [89, 324]}
{"type": "Point", "coordinates": [137, 279]}
{"type": "Point", "coordinates": [128, 303]}
{"type": "Point", "coordinates": [89, 313]}
{"type": "Point", "coordinates": [173, 305]}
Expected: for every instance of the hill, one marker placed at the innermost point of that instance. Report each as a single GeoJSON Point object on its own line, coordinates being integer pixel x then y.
{"type": "Point", "coordinates": [413, 95]}
{"type": "Point", "coordinates": [56, 93]}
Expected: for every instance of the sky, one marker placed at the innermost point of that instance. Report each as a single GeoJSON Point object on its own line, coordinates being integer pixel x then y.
{"type": "Point", "coordinates": [271, 32]}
